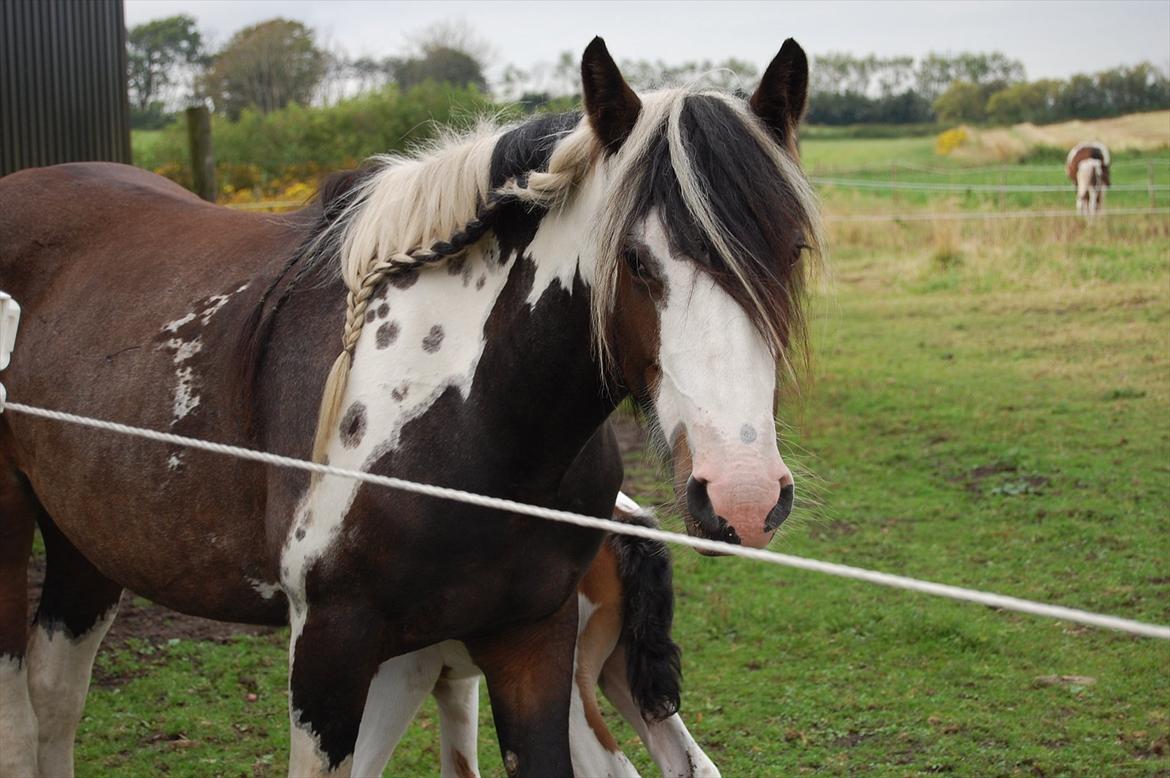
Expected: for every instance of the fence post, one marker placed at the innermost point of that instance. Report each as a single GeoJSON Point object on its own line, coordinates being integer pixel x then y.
{"type": "Point", "coordinates": [894, 188]}
{"type": "Point", "coordinates": [202, 158]}
{"type": "Point", "coordinates": [1150, 182]}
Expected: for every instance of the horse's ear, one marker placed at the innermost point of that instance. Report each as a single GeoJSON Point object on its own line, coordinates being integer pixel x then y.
{"type": "Point", "coordinates": [782, 95]}
{"type": "Point", "coordinates": [611, 105]}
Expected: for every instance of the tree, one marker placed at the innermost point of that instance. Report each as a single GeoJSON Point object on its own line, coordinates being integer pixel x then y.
{"type": "Point", "coordinates": [1028, 102]}
{"type": "Point", "coordinates": [962, 102]}
{"type": "Point", "coordinates": [445, 53]}
{"type": "Point", "coordinates": [267, 65]}
{"type": "Point", "coordinates": [441, 65]}
{"type": "Point", "coordinates": [156, 53]}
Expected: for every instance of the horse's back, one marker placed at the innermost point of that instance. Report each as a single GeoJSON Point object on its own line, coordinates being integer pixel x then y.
{"type": "Point", "coordinates": [136, 295]}
{"type": "Point", "coordinates": [66, 212]}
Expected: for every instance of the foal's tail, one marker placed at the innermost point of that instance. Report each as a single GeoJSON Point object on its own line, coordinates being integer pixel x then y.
{"type": "Point", "coordinates": [653, 660]}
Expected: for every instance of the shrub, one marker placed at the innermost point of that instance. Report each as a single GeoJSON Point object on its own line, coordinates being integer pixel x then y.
{"type": "Point", "coordinates": [951, 140]}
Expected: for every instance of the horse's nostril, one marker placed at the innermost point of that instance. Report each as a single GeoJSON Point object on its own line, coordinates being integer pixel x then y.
{"type": "Point", "coordinates": [782, 508]}
{"type": "Point", "coordinates": [699, 505]}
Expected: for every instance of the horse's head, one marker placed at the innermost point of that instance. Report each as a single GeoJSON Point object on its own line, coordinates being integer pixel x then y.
{"type": "Point", "coordinates": [700, 245]}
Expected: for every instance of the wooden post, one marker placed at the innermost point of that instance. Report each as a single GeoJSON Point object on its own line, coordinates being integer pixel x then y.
{"type": "Point", "coordinates": [894, 188]}
{"type": "Point", "coordinates": [1002, 192]}
{"type": "Point", "coordinates": [202, 158]}
{"type": "Point", "coordinates": [1150, 182]}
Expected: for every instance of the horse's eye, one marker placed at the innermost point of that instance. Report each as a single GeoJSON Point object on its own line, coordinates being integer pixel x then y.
{"type": "Point", "coordinates": [634, 262]}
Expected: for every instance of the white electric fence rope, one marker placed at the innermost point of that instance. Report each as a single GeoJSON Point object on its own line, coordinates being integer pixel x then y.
{"type": "Point", "coordinates": [842, 571]}
{"type": "Point", "coordinates": [960, 170]}
{"type": "Point", "coordinates": [1028, 213]}
{"type": "Point", "coordinates": [928, 186]}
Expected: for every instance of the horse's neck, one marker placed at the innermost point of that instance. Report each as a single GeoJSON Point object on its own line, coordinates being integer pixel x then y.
{"type": "Point", "coordinates": [499, 349]}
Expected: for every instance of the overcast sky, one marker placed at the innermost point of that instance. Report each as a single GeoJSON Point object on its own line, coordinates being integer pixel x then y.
{"type": "Point", "coordinates": [1053, 39]}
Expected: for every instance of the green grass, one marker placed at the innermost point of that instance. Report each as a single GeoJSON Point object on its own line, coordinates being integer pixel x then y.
{"type": "Point", "coordinates": [990, 409]}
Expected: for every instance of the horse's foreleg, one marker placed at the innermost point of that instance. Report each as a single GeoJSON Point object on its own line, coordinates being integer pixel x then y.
{"type": "Point", "coordinates": [529, 671]}
{"type": "Point", "coordinates": [669, 742]}
{"type": "Point", "coordinates": [458, 700]}
{"type": "Point", "coordinates": [18, 724]}
{"type": "Point", "coordinates": [333, 656]}
{"type": "Point", "coordinates": [77, 607]}
{"type": "Point", "coordinates": [397, 691]}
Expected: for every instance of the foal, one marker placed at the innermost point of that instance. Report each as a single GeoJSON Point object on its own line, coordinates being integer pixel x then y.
{"type": "Point", "coordinates": [625, 605]}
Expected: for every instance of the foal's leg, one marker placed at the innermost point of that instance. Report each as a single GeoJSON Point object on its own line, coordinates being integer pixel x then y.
{"type": "Point", "coordinates": [529, 670]}
{"type": "Point", "coordinates": [77, 608]}
{"type": "Point", "coordinates": [18, 724]}
{"type": "Point", "coordinates": [397, 691]}
{"type": "Point", "coordinates": [458, 700]}
{"type": "Point", "coordinates": [669, 742]}
{"type": "Point", "coordinates": [333, 656]}
{"type": "Point", "coordinates": [595, 752]}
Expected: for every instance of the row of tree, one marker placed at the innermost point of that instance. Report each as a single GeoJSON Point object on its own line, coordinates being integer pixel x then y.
{"type": "Point", "coordinates": [1113, 92]}
{"type": "Point", "coordinates": [275, 63]}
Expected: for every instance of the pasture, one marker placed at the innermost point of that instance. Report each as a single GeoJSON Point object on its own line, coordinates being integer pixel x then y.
{"type": "Point", "coordinates": [987, 407]}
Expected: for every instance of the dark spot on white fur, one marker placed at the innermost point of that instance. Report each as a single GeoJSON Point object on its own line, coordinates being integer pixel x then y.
{"type": "Point", "coordinates": [370, 314]}
{"type": "Point", "coordinates": [747, 433]}
{"type": "Point", "coordinates": [300, 533]}
{"type": "Point", "coordinates": [383, 310]}
{"type": "Point", "coordinates": [480, 282]}
{"type": "Point", "coordinates": [404, 279]}
{"type": "Point", "coordinates": [353, 425]}
{"type": "Point", "coordinates": [386, 334]}
{"type": "Point", "coordinates": [399, 392]}
{"type": "Point", "coordinates": [455, 266]}
{"type": "Point", "coordinates": [434, 340]}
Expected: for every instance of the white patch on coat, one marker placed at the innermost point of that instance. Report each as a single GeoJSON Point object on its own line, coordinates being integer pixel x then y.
{"type": "Point", "coordinates": [396, 692]}
{"type": "Point", "coordinates": [706, 337]}
{"type": "Point", "coordinates": [173, 326]}
{"type": "Point", "coordinates": [1089, 186]}
{"type": "Point", "coordinates": [458, 702]}
{"type": "Point", "coordinates": [58, 681]}
{"type": "Point", "coordinates": [18, 723]}
{"type": "Point", "coordinates": [265, 590]}
{"type": "Point", "coordinates": [186, 398]}
{"type": "Point", "coordinates": [175, 461]}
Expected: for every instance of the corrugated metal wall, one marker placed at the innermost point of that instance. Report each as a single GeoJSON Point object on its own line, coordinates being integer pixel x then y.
{"type": "Point", "coordinates": [62, 83]}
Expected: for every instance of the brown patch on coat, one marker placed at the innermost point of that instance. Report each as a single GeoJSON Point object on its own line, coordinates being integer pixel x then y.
{"type": "Point", "coordinates": [462, 768]}
{"type": "Point", "coordinates": [602, 586]}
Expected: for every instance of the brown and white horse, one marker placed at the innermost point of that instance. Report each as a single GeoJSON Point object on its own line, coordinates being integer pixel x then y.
{"type": "Point", "coordinates": [626, 605]}
{"type": "Point", "coordinates": [651, 247]}
{"type": "Point", "coordinates": [1087, 165]}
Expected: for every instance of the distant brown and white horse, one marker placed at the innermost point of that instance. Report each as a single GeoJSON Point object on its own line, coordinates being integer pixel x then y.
{"type": "Point", "coordinates": [500, 295]}
{"type": "Point", "coordinates": [626, 606]}
{"type": "Point", "coordinates": [1087, 165]}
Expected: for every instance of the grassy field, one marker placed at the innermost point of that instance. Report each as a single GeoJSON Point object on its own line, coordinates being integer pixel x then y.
{"type": "Point", "coordinates": [989, 407]}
